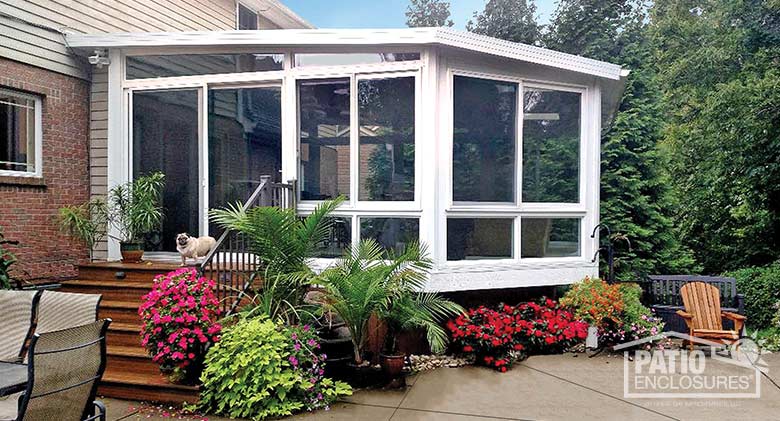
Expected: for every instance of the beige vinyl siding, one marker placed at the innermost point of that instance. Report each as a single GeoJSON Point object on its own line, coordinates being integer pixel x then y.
{"type": "Point", "coordinates": [98, 144]}
{"type": "Point", "coordinates": [30, 30]}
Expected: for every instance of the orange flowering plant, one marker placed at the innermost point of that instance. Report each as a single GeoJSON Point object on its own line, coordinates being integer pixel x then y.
{"type": "Point", "coordinates": [595, 301]}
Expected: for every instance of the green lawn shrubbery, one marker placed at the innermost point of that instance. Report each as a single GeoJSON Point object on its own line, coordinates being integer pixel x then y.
{"type": "Point", "coordinates": [761, 288]}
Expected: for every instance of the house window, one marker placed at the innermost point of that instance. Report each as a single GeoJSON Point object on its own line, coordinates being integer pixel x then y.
{"type": "Point", "coordinates": [486, 179]}
{"type": "Point", "coordinates": [484, 132]}
{"type": "Point", "coordinates": [479, 238]}
{"type": "Point", "coordinates": [324, 131]}
{"type": "Point", "coordinates": [551, 146]}
{"type": "Point", "coordinates": [247, 18]}
{"type": "Point", "coordinates": [357, 138]}
{"type": "Point", "coordinates": [338, 240]}
{"type": "Point", "coordinates": [386, 133]}
{"type": "Point", "coordinates": [145, 67]}
{"type": "Point", "coordinates": [20, 134]}
{"type": "Point", "coordinates": [393, 234]}
{"type": "Point", "coordinates": [348, 59]}
{"type": "Point", "coordinates": [550, 237]}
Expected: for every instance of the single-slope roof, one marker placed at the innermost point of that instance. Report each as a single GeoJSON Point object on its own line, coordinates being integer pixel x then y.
{"type": "Point", "coordinates": [345, 37]}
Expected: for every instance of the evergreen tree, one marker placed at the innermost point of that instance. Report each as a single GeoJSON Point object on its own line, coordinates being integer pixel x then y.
{"type": "Point", "coordinates": [426, 13]}
{"type": "Point", "coordinates": [634, 200]}
{"type": "Point", "coordinates": [511, 20]}
{"type": "Point", "coordinates": [719, 68]}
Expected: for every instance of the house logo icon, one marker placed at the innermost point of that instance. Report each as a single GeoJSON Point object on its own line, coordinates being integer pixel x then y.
{"type": "Point", "coordinates": [703, 370]}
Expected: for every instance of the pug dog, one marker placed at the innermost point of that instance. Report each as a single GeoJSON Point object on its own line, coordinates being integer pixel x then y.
{"type": "Point", "coordinates": [193, 247]}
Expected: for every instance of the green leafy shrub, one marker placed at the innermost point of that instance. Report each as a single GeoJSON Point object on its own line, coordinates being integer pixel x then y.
{"type": "Point", "coordinates": [263, 369]}
{"type": "Point", "coordinates": [7, 259]}
{"type": "Point", "coordinates": [761, 288]}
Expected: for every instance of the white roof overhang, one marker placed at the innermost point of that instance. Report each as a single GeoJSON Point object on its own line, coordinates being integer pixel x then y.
{"type": "Point", "coordinates": [345, 37]}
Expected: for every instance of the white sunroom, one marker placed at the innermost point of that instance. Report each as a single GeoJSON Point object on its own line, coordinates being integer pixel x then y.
{"type": "Point", "coordinates": [485, 150]}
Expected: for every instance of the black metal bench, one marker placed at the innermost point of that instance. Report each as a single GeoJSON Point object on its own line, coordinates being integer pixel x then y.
{"type": "Point", "coordinates": [662, 294]}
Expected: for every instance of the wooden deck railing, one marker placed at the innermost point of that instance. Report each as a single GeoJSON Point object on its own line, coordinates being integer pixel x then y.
{"type": "Point", "coordinates": [231, 264]}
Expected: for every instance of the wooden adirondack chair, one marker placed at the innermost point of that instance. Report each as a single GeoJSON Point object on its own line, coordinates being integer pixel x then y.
{"type": "Point", "coordinates": [703, 314]}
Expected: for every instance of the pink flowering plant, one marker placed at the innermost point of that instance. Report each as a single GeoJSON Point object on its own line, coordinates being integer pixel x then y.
{"type": "Point", "coordinates": [179, 318]}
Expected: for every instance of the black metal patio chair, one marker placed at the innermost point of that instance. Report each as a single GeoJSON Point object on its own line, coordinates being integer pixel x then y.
{"type": "Point", "coordinates": [64, 369]}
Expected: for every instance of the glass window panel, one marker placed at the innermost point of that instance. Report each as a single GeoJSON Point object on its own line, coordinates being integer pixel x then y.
{"type": "Point", "coordinates": [247, 18]}
{"type": "Point", "coordinates": [345, 59]}
{"type": "Point", "coordinates": [386, 154]}
{"type": "Point", "coordinates": [550, 237]}
{"type": "Point", "coordinates": [144, 67]}
{"type": "Point", "coordinates": [165, 138]}
{"type": "Point", "coordinates": [17, 132]}
{"type": "Point", "coordinates": [479, 238]}
{"type": "Point", "coordinates": [338, 241]}
{"type": "Point", "coordinates": [483, 155]}
{"type": "Point", "coordinates": [324, 138]}
{"type": "Point", "coordinates": [551, 146]}
{"type": "Point", "coordinates": [391, 233]}
{"type": "Point", "coordinates": [245, 142]}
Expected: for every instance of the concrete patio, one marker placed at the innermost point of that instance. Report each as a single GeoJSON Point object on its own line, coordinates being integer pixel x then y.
{"type": "Point", "coordinates": [556, 387]}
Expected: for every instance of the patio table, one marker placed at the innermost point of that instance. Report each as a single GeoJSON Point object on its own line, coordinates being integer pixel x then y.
{"type": "Point", "coordinates": [13, 378]}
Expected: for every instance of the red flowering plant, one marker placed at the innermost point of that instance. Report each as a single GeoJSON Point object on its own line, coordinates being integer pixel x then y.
{"type": "Point", "coordinates": [498, 337]}
{"type": "Point", "coordinates": [545, 327]}
{"type": "Point", "coordinates": [179, 318]}
{"type": "Point", "coordinates": [488, 335]}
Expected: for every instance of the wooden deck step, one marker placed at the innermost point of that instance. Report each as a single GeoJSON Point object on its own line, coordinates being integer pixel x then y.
{"type": "Point", "coordinates": [111, 290]}
{"type": "Point", "coordinates": [145, 387]}
{"type": "Point", "coordinates": [127, 272]}
{"type": "Point", "coordinates": [131, 359]}
{"type": "Point", "coordinates": [124, 334]}
{"type": "Point", "coordinates": [120, 311]}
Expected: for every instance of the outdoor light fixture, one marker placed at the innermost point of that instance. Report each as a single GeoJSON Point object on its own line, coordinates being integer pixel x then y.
{"type": "Point", "coordinates": [99, 59]}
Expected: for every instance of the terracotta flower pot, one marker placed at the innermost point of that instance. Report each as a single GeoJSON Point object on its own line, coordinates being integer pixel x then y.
{"type": "Point", "coordinates": [131, 252]}
{"type": "Point", "coordinates": [392, 365]}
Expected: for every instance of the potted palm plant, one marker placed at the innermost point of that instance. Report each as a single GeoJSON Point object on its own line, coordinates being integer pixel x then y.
{"type": "Point", "coordinates": [410, 309]}
{"type": "Point", "coordinates": [133, 210]}
{"type": "Point", "coordinates": [367, 281]}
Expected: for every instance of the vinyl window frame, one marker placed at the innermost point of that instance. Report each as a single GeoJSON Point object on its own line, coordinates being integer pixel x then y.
{"type": "Point", "coordinates": [38, 135]}
{"type": "Point", "coordinates": [518, 209]}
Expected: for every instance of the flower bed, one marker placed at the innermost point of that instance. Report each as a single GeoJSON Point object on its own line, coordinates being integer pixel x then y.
{"type": "Point", "coordinates": [499, 337]}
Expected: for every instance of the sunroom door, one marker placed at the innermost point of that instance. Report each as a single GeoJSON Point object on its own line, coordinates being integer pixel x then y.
{"type": "Point", "coordinates": [244, 142]}
{"type": "Point", "coordinates": [212, 154]}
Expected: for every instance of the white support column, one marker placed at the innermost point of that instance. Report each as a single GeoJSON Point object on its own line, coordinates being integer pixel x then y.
{"type": "Point", "coordinates": [118, 149]}
{"type": "Point", "coordinates": [290, 147]}
{"type": "Point", "coordinates": [428, 152]}
{"type": "Point", "coordinates": [592, 172]}
{"type": "Point", "coordinates": [203, 159]}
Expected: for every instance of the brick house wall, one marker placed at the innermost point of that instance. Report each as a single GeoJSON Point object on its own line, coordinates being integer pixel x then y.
{"type": "Point", "coordinates": [28, 207]}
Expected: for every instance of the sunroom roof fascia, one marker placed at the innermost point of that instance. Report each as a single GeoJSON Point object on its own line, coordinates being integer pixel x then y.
{"type": "Point", "coordinates": [345, 37]}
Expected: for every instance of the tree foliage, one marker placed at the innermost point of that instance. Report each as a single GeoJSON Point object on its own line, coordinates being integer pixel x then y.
{"type": "Point", "coordinates": [691, 161]}
{"type": "Point", "coordinates": [427, 13]}
{"type": "Point", "coordinates": [719, 68]}
{"type": "Point", "coordinates": [512, 20]}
